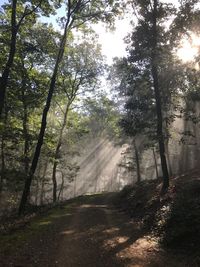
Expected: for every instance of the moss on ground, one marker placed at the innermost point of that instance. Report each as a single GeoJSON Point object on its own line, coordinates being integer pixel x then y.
{"type": "Point", "coordinates": [40, 223]}
{"type": "Point", "coordinates": [23, 230]}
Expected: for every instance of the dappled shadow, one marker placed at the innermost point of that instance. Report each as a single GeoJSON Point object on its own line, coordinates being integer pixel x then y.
{"type": "Point", "coordinates": [96, 235]}
{"type": "Point", "coordinates": [108, 237]}
{"type": "Point", "coordinates": [90, 232]}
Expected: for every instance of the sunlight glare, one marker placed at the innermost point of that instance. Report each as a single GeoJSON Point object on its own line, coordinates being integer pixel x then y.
{"type": "Point", "coordinates": [112, 42]}
{"type": "Point", "coordinates": [189, 48]}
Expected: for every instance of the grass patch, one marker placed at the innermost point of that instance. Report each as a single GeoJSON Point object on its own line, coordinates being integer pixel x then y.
{"type": "Point", "coordinates": [41, 223]}
{"type": "Point", "coordinates": [22, 233]}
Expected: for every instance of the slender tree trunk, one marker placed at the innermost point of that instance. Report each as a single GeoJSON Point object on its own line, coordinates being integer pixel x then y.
{"type": "Point", "coordinates": [61, 187]}
{"type": "Point", "coordinates": [159, 104]}
{"type": "Point", "coordinates": [155, 162]}
{"type": "Point", "coordinates": [9, 63]}
{"type": "Point", "coordinates": [137, 160]}
{"type": "Point", "coordinates": [160, 132]}
{"type": "Point", "coordinates": [43, 183]}
{"type": "Point", "coordinates": [37, 191]}
{"type": "Point", "coordinates": [57, 152]}
{"type": "Point", "coordinates": [168, 157]}
{"type": "Point", "coordinates": [14, 30]}
{"type": "Point", "coordinates": [33, 167]}
{"type": "Point", "coordinates": [3, 162]}
{"type": "Point", "coordinates": [75, 186]}
{"type": "Point", "coordinates": [25, 134]}
{"type": "Point", "coordinates": [96, 170]}
{"type": "Point", "coordinates": [54, 180]}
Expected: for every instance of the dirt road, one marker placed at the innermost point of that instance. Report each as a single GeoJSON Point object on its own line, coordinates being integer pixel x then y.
{"type": "Point", "coordinates": [90, 232]}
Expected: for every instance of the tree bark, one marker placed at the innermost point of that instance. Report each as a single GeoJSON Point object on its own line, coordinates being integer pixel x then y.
{"type": "Point", "coordinates": [33, 167]}
{"type": "Point", "coordinates": [57, 152]}
{"type": "Point", "coordinates": [137, 160]}
{"type": "Point", "coordinates": [3, 162]}
{"type": "Point", "coordinates": [43, 183]}
{"type": "Point", "coordinates": [14, 30]}
{"type": "Point", "coordinates": [168, 158]}
{"type": "Point", "coordinates": [155, 161]}
{"type": "Point", "coordinates": [61, 187]}
{"type": "Point", "coordinates": [25, 133]}
{"type": "Point", "coordinates": [75, 187]}
{"type": "Point", "coordinates": [9, 63]}
{"type": "Point", "coordinates": [154, 70]}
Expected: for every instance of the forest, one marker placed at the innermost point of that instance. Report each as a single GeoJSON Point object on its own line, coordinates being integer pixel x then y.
{"type": "Point", "coordinates": [74, 127]}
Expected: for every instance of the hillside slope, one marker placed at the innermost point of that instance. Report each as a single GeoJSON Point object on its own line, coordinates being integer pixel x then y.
{"type": "Point", "coordinates": [174, 220]}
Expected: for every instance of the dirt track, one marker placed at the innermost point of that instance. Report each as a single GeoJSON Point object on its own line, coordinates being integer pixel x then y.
{"type": "Point", "coordinates": [90, 233]}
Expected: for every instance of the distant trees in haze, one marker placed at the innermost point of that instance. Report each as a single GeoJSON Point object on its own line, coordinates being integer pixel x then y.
{"type": "Point", "coordinates": [35, 68]}
{"type": "Point", "coordinates": [151, 79]}
{"type": "Point", "coordinates": [46, 75]}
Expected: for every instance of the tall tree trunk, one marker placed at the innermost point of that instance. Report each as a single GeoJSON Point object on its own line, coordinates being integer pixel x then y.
{"type": "Point", "coordinates": [96, 155]}
{"type": "Point", "coordinates": [54, 180]}
{"type": "Point", "coordinates": [43, 183]}
{"type": "Point", "coordinates": [62, 186]}
{"type": "Point", "coordinates": [75, 186]}
{"type": "Point", "coordinates": [168, 157]}
{"type": "Point", "coordinates": [155, 162]}
{"type": "Point", "coordinates": [33, 167]}
{"type": "Point", "coordinates": [57, 152]}
{"type": "Point", "coordinates": [160, 135]}
{"type": "Point", "coordinates": [137, 160]}
{"type": "Point", "coordinates": [37, 191]}
{"type": "Point", "coordinates": [14, 30]}
{"type": "Point", "coordinates": [9, 63]}
{"type": "Point", "coordinates": [25, 134]}
{"type": "Point", "coordinates": [3, 163]}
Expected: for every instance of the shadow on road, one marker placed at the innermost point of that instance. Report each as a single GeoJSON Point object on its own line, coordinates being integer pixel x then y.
{"type": "Point", "coordinates": [90, 232]}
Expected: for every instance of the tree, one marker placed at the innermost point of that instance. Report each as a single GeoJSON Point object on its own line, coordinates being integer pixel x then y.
{"type": "Point", "coordinates": [19, 14]}
{"type": "Point", "coordinates": [148, 77]}
{"type": "Point", "coordinates": [138, 115]}
{"type": "Point", "coordinates": [21, 117]}
{"type": "Point", "coordinates": [77, 13]}
{"type": "Point", "coordinates": [79, 75]}
{"type": "Point", "coordinates": [103, 117]}
{"type": "Point", "coordinates": [157, 91]}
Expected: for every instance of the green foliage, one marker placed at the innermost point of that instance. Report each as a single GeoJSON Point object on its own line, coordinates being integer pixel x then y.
{"type": "Point", "coordinates": [78, 75]}
{"type": "Point", "coordinates": [134, 73]}
{"type": "Point", "coordinates": [103, 116]}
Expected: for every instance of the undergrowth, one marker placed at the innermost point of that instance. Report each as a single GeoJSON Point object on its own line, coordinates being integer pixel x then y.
{"type": "Point", "coordinates": [174, 218]}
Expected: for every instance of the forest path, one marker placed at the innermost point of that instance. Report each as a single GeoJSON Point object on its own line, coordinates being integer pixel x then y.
{"type": "Point", "coordinates": [89, 232]}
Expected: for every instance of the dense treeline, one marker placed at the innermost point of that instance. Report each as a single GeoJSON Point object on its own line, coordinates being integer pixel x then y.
{"type": "Point", "coordinates": [50, 91]}
{"type": "Point", "coordinates": [46, 77]}
{"type": "Point", "coordinates": [158, 87]}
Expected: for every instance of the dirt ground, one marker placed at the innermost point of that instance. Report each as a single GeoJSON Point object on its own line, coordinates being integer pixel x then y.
{"type": "Point", "coordinates": [90, 232]}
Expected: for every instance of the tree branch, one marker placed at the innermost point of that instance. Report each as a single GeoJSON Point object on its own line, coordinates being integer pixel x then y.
{"type": "Point", "coordinates": [25, 14]}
